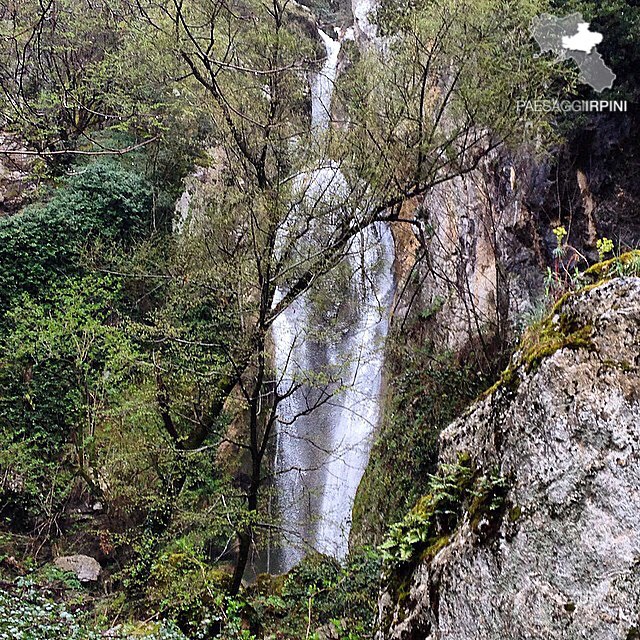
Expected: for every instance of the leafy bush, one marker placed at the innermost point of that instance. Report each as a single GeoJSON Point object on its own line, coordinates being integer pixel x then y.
{"type": "Point", "coordinates": [185, 589]}
{"type": "Point", "coordinates": [29, 612]}
{"type": "Point", "coordinates": [103, 203]}
{"type": "Point", "coordinates": [320, 592]}
{"type": "Point", "coordinates": [59, 368]}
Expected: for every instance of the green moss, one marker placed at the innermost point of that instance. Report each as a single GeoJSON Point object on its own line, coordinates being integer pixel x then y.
{"type": "Point", "coordinates": [628, 264]}
{"type": "Point", "coordinates": [402, 593]}
{"type": "Point", "coordinates": [487, 507]}
{"type": "Point", "coordinates": [435, 547]}
{"type": "Point", "coordinates": [549, 340]}
{"type": "Point", "coordinates": [268, 585]}
{"type": "Point", "coordinates": [557, 331]}
{"type": "Point", "coordinates": [515, 514]}
{"type": "Point", "coordinates": [623, 365]}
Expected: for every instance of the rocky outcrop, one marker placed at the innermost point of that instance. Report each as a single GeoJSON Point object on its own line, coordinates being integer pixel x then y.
{"type": "Point", "coordinates": [199, 186]}
{"type": "Point", "coordinates": [479, 256]}
{"type": "Point", "coordinates": [364, 20]}
{"type": "Point", "coordinates": [562, 430]}
{"type": "Point", "coordinates": [486, 238]}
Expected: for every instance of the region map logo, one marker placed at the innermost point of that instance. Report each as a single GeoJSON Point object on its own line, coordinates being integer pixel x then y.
{"type": "Point", "coordinates": [571, 38]}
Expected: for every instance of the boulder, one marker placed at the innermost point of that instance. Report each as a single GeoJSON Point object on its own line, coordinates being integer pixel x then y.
{"type": "Point", "coordinates": [86, 568]}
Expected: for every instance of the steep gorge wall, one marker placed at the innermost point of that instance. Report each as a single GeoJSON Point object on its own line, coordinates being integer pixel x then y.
{"type": "Point", "coordinates": [471, 268]}
{"type": "Point", "coordinates": [484, 239]}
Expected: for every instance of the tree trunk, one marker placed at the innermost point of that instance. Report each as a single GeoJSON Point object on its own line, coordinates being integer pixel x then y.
{"type": "Point", "coordinates": [245, 537]}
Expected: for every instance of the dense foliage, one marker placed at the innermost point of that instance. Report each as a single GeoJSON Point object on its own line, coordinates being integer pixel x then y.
{"type": "Point", "coordinates": [104, 204]}
{"type": "Point", "coordinates": [138, 397]}
{"type": "Point", "coordinates": [29, 611]}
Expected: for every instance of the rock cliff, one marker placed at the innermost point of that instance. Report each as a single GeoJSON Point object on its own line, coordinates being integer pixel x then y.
{"type": "Point", "coordinates": [562, 431]}
{"type": "Point", "coordinates": [476, 261]}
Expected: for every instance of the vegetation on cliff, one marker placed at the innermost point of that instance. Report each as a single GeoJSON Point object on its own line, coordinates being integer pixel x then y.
{"type": "Point", "coordinates": [541, 505]}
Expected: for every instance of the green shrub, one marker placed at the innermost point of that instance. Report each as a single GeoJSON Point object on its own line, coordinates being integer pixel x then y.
{"type": "Point", "coordinates": [320, 592]}
{"type": "Point", "coordinates": [184, 588]}
{"type": "Point", "coordinates": [39, 246]}
{"type": "Point", "coordinates": [60, 366]}
{"type": "Point", "coordinates": [30, 612]}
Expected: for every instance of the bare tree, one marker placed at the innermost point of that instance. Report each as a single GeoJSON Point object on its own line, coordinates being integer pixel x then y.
{"type": "Point", "coordinates": [64, 75]}
{"type": "Point", "coordinates": [417, 118]}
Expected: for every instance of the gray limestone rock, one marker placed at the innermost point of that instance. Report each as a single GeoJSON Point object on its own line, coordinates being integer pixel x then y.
{"type": "Point", "coordinates": [565, 433]}
{"type": "Point", "coordinates": [87, 569]}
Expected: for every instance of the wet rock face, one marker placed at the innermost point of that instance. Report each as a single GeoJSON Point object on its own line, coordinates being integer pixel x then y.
{"type": "Point", "coordinates": [565, 434]}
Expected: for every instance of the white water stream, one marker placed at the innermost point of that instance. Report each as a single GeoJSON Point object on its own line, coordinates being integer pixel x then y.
{"type": "Point", "coordinates": [321, 455]}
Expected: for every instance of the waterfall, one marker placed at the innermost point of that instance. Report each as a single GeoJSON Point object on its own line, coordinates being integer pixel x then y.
{"type": "Point", "coordinates": [322, 454]}
{"type": "Point", "coordinates": [351, 433]}
{"type": "Point", "coordinates": [322, 85]}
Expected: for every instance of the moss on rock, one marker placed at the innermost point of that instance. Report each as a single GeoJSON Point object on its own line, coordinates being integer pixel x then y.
{"type": "Point", "coordinates": [627, 264]}
{"type": "Point", "coordinates": [559, 330]}
{"type": "Point", "coordinates": [459, 493]}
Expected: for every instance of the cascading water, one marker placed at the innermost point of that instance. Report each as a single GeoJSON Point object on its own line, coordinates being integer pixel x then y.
{"type": "Point", "coordinates": [321, 454]}
{"type": "Point", "coordinates": [322, 85]}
